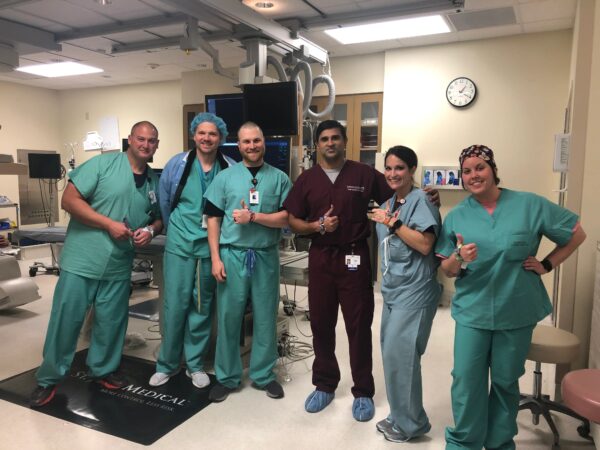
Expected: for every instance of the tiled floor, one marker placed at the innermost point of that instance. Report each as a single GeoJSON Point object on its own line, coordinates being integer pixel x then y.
{"type": "Point", "coordinates": [248, 419]}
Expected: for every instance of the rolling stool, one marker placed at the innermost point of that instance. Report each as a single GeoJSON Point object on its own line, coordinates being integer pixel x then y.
{"type": "Point", "coordinates": [553, 346]}
{"type": "Point", "coordinates": [581, 392]}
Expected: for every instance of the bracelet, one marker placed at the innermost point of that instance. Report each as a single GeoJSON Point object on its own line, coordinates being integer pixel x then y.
{"type": "Point", "coordinates": [149, 229]}
{"type": "Point", "coordinates": [322, 224]}
{"type": "Point", "coordinates": [459, 258]}
{"type": "Point", "coordinates": [252, 216]}
{"type": "Point", "coordinates": [547, 264]}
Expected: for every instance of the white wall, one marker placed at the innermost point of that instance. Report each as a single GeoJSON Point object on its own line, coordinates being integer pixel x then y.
{"type": "Point", "coordinates": [82, 109]}
{"type": "Point", "coordinates": [29, 119]}
{"type": "Point", "coordinates": [354, 74]}
{"type": "Point", "coordinates": [195, 85]}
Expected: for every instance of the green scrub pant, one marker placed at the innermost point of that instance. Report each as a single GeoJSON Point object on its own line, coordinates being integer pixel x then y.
{"type": "Point", "coordinates": [73, 296]}
{"type": "Point", "coordinates": [404, 336]}
{"type": "Point", "coordinates": [187, 320]}
{"type": "Point", "coordinates": [486, 417]}
{"type": "Point", "coordinates": [263, 290]}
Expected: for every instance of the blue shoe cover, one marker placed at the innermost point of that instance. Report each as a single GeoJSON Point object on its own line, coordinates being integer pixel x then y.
{"type": "Point", "coordinates": [317, 401]}
{"type": "Point", "coordinates": [363, 409]}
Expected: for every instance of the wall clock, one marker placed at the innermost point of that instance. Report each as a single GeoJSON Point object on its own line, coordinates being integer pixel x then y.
{"type": "Point", "coordinates": [461, 92]}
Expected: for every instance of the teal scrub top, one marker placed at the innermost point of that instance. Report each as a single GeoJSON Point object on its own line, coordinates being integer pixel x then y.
{"type": "Point", "coordinates": [233, 185]}
{"type": "Point", "coordinates": [186, 236]}
{"type": "Point", "coordinates": [106, 182]}
{"type": "Point", "coordinates": [410, 278]}
{"type": "Point", "coordinates": [495, 292]}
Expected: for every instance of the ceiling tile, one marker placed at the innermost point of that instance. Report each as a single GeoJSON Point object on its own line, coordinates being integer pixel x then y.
{"type": "Point", "coordinates": [547, 10]}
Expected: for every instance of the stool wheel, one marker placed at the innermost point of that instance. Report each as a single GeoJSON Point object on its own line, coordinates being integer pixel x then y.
{"type": "Point", "coordinates": [555, 447]}
{"type": "Point", "coordinates": [584, 430]}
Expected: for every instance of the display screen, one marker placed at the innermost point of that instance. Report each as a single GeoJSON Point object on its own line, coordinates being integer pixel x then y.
{"type": "Point", "coordinates": [277, 153]}
{"type": "Point", "coordinates": [273, 107]}
{"type": "Point", "coordinates": [230, 108]}
{"type": "Point", "coordinates": [44, 165]}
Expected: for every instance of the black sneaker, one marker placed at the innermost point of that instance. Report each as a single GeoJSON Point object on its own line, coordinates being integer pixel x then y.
{"type": "Point", "coordinates": [219, 392]}
{"type": "Point", "coordinates": [273, 389]}
{"type": "Point", "coordinates": [112, 381]}
{"type": "Point", "coordinates": [42, 395]}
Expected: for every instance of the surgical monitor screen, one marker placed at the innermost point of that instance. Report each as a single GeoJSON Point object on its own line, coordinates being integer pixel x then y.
{"type": "Point", "coordinates": [230, 108]}
{"type": "Point", "coordinates": [44, 165]}
{"type": "Point", "coordinates": [277, 153]}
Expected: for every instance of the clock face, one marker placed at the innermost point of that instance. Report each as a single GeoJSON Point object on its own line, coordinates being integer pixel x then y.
{"type": "Point", "coordinates": [461, 92]}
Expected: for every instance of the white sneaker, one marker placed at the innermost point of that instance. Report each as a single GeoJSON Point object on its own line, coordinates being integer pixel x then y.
{"type": "Point", "coordinates": [199, 379]}
{"type": "Point", "coordinates": [158, 379]}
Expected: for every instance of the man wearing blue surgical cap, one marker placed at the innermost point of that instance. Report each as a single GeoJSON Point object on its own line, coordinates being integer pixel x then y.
{"type": "Point", "coordinates": [189, 293]}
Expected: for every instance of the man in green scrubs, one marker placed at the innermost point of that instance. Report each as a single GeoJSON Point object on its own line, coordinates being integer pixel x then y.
{"type": "Point", "coordinates": [113, 202]}
{"type": "Point", "coordinates": [245, 208]}
{"type": "Point", "coordinates": [189, 285]}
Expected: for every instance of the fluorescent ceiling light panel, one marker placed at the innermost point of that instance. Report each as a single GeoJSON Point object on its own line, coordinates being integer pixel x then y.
{"type": "Point", "coordinates": [395, 29]}
{"type": "Point", "coordinates": [62, 69]}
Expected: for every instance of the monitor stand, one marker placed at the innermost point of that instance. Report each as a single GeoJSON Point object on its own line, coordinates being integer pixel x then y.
{"type": "Point", "coordinates": [53, 267]}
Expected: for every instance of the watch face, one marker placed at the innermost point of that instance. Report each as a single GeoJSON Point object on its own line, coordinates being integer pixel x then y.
{"type": "Point", "coordinates": [461, 92]}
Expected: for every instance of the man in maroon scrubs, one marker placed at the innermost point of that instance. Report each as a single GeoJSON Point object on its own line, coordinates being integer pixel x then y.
{"type": "Point", "coordinates": [330, 203]}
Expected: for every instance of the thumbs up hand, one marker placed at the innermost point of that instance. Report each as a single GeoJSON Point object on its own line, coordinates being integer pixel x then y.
{"type": "Point", "coordinates": [243, 215]}
{"type": "Point", "coordinates": [468, 252]}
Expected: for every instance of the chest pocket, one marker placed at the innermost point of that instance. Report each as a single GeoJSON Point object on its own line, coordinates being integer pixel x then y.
{"type": "Point", "coordinates": [517, 246]}
{"type": "Point", "coordinates": [269, 203]}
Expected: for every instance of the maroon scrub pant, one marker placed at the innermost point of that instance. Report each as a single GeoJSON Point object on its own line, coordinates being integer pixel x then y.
{"type": "Point", "coordinates": [332, 284]}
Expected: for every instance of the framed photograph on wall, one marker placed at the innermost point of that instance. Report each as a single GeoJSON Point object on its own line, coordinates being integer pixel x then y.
{"type": "Point", "coordinates": [441, 177]}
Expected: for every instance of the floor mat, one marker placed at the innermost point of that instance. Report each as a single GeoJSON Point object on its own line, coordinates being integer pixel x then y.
{"type": "Point", "coordinates": [136, 412]}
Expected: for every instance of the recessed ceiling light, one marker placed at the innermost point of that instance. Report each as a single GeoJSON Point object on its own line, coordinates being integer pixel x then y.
{"type": "Point", "coordinates": [103, 2]}
{"type": "Point", "coordinates": [62, 69]}
{"type": "Point", "coordinates": [395, 29]}
{"type": "Point", "coordinates": [264, 5]}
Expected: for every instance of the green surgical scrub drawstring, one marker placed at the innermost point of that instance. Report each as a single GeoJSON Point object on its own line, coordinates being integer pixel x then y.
{"type": "Point", "coordinates": [250, 262]}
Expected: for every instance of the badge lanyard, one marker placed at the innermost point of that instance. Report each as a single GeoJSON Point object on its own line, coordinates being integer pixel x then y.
{"type": "Point", "coordinates": [254, 197]}
{"type": "Point", "coordinates": [205, 180]}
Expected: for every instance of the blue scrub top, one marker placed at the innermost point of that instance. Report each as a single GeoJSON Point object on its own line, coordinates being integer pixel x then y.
{"type": "Point", "coordinates": [106, 182]}
{"type": "Point", "coordinates": [409, 277]}
{"type": "Point", "coordinates": [495, 292]}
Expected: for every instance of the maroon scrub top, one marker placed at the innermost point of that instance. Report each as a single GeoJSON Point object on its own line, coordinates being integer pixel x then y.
{"type": "Point", "coordinates": [356, 184]}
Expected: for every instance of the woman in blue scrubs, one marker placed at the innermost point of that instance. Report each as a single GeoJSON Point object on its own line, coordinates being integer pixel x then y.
{"type": "Point", "coordinates": [489, 242]}
{"type": "Point", "coordinates": [407, 227]}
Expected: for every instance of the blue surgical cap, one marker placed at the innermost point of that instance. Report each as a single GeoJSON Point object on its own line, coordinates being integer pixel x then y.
{"type": "Point", "coordinates": [215, 120]}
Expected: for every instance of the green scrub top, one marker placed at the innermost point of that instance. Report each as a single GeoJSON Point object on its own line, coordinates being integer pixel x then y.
{"type": "Point", "coordinates": [106, 182]}
{"type": "Point", "coordinates": [409, 277]}
{"type": "Point", "coordinates": [186, 235]}
{"type": "Point", "coordinates": [233, 185]}
{"type": "Point", "coordinates": [495, 292]}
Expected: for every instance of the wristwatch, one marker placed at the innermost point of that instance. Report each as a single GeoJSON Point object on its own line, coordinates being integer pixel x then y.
{"type": "Point", "coordinates": [322, 224]}
{"type": "Point", "coordinates": [459, 258]}
{"type": "Point", "coordinates": [547, 264]}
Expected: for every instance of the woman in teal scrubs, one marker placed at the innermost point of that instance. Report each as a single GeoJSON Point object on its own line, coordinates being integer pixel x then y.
{"type": "Point", "coordinates": [407, 227]}
{"type": "Point", "coordinates": [489, 242]}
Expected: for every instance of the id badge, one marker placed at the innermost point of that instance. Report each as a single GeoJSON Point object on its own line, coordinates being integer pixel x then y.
{"type": "Point", "coordinates": [254, 197]}
{"type": "Point", "coordinates": [204, 222]}
{"type": "Point", "coordinates": [352, 262]}
{"type": "Point", "coordinates": [152, 197]}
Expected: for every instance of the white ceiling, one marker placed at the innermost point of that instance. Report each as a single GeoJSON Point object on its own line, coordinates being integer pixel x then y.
{"type": "Point", "coordinates": [108, 36]}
